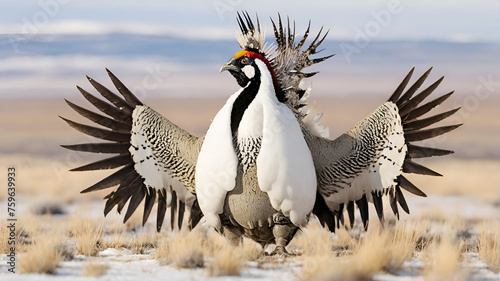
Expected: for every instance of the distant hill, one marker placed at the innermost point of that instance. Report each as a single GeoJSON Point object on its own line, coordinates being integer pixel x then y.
{"type": "Point", "coordinates": [47, 65]}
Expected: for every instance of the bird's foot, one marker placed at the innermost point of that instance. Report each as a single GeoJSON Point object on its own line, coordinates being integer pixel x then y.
{"type": "Point", "coordinates": [281, 251]}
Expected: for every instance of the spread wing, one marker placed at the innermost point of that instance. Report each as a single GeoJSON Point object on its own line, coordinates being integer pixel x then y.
{"type": "Point", "coordinates": [369, 160]}
{"type": "Point", "coordinates": [156, 158]}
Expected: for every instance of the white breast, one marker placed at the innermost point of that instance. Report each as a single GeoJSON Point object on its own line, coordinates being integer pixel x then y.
{"type": "Point", "coordinates": [216, 166]}
{"type": "Point", "coordinates": [285, 168]}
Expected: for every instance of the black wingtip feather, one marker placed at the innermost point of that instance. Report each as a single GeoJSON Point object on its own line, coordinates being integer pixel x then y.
{"type": "Point", "coordinates": [113, 124]}
{"type": "Point", "coordinates": [350, 213]}
{"type": "Point", "coordinates": [393, 203]}
{"type": "Point", "coordinates": [99, 147]}
{"type": "Point", "coordinates": [415, 168]}
{"type": "Point", "coordinates": [162, 209]}
{"type": "Point", "coordinates": [399, 90]}
{"type": "Point", "coordinates": [98, 132]}
{"type": "Point", "coordinates": [363, 210]}
{"type": "Point", "coordinates": [180, 216]}
{"type": "Point", "coordinates": [107, 163]}
{"type": "Point", "coordinates": [173, 210]}
{"type": "Point", "coordinates": [135, 200]}
{"type": "Point", "coordinates": [410, 187]}
{"type": "Point", "coordinates": [409, 93]}
{"type": "Point", "coordinates": [112, 180]}
{"type": "Point", "coordinates": [148, 205]}
{"type": "Point", "coordinates": [105, 107]}
{"type": "Point", "coordinates": [195, 215]}
{"type": "Point", "coordinates": [423, 123]}
{"type": "Point", "coordinates": [379, 206]}
{"type": "Point", "coordinates": [323, 213]}
{"type": "Point", "coordinates": [117, 101]}
{"type": "Point", "coordinates": [123, 90]}
{"type": "Point", "coordinates": [415, 101]}
{"type": "Point", "coordinates": [415, 151]}
{"type": "Point", "coordinates": [420, 135]}
{"type": "Point", "coordinates": [427, 107]}
{"type": "Point", "coordinates": [401, 199]}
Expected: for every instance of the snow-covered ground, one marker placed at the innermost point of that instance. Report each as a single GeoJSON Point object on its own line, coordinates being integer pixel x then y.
{"type": "Point", "coordinates": [123, 264]}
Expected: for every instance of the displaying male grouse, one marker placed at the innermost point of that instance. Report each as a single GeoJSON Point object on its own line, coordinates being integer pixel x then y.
{"type": "Point", "coordinates": [261, 169]}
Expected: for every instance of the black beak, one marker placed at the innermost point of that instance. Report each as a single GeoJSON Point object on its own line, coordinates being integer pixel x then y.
{"type": "Point", "coordinates": [235, 70]}
{"type": "Point", "coordinates": [230, 66]}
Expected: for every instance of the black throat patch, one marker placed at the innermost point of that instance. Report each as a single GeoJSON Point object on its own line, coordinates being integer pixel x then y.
{"type": "Point", "coordinates": [243, 101]}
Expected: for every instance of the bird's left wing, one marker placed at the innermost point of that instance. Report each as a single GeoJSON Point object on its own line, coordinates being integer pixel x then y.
{"type": "Point", "coordinates": [369, 160]}
{"type": "Point", "coordinates": [156, 158]}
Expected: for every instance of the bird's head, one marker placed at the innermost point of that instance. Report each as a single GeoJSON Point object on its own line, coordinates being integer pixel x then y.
{"type": "Point", "coordinates": [244, 68]}
{"type": "Point", "coordinates": [253, 63]}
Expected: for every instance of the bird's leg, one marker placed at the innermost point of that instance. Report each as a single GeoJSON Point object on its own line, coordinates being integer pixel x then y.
{"type": "Point", "coordinates": [283, 231]}
{"type": "Point", "coordinates": [281, 234]}
{"type": "Point", "coordinates": [233, 234]}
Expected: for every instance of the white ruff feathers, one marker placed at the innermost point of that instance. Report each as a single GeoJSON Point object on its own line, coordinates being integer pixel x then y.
{"type": "Point", "coordinates": [285, 169]}
{"type": "Point", "coordinates": [217, 165]}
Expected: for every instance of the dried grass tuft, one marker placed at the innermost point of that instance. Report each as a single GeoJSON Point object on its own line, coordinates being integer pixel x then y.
{"type": "Point", "coordinates": [30, 224]}
{"type": "Point", "coordinates": [441, 260]}
{"type": "Point", "coordinates": [88, 235]}
{"type": "Point", "coordinates": [144, 242]}
{"type": "Point", "coordinates": [227, 259]}
{"type": "Point", "coordinates": [94, 269]}
{"type": "Point", "coordinates": [380, 250]}
{"type": "Point", "coordinates": [489, 248]}
{"type": "Point", "coordinates": [4, 238]}
{"type": "Point", "coordinates": [315, 240]}
{"type": "Point", "coordinates": [43, 257]}
{"type": "Point", "coordinates": [184, 250]}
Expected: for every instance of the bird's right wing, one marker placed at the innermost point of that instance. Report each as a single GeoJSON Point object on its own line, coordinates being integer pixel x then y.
{"type": "Point", "coordinates": [157, 158]}
{"type": "Point", "coordinates": [369, 160]}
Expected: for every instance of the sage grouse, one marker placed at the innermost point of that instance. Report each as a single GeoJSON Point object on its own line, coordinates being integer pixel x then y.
{"type": "Point", "coordinates": [264, 165]}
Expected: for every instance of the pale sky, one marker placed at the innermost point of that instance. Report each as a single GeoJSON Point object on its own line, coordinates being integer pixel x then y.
{"type": "Point", "coordinates": [445, 20]}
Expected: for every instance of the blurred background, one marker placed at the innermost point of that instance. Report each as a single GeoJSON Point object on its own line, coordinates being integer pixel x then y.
{"type": "Point", "coordinates": [169, 54]}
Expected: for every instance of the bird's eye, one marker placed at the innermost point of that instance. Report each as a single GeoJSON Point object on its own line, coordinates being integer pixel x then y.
{"type": "Point", "coordinates": [244, 61]}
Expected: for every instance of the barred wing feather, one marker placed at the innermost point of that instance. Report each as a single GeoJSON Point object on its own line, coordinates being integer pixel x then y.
{"type": "Point", "coordinates": [369, 160]}
{"type": "Point", "coordinates": [156, 158]}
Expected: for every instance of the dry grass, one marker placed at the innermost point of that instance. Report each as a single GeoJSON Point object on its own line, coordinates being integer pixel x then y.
{"type": "Point", "coordinates": [4, 238]}
{"type": "Point", "coordinates": [94, 269]}
{"type": "Point", "coordinates": [315, 240]}
{"type": "Point", "coordinates": [185, 250]}
{"type": "Point", "coordinates": [117, 240]}
{"type": "Point", "coordinates": [227, 259]}
{"type": "Point", "coordinates": [442, 260]}
{"type": "Point", "coordinates": [43, 256]}
{"type": "Point", "coordinates": [30, 225]}
{"type": "Point", "coordinates": [88, 235]}
{"type": "Point", "coordinates": [489, 247]}
{"type": "Point", "coordinates": [380, 250]}
{"type": "Point", "coordinates": [144, 242]}
{"type": "Point", "coordinates": [384, 250]}
{"type": "Point", "coordinates": [213, 251]}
